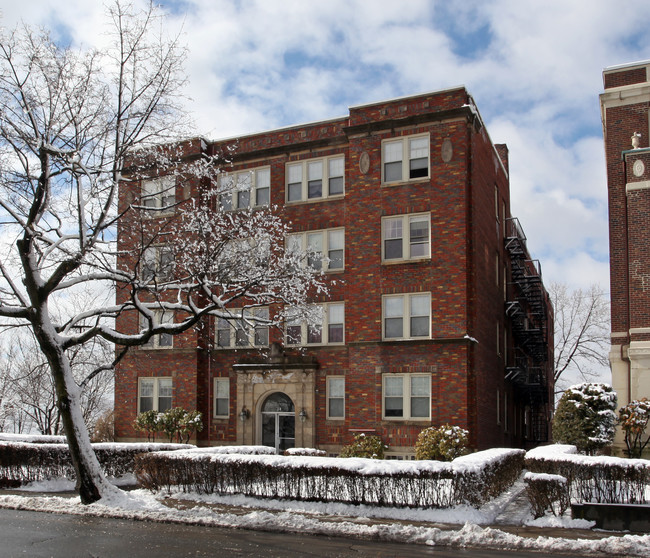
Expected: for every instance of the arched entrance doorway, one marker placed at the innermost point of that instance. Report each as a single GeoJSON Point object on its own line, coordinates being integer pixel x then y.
{"type": "Point", "coordinates": [278, 422]}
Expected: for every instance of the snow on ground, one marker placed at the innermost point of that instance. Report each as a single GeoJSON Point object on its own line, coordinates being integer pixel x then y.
{"type": "Point", "coordinates": [460, 527]}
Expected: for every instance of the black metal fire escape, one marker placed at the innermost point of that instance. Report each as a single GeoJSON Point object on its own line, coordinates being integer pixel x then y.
{"type": "Point", "coordinates": [526, 308]}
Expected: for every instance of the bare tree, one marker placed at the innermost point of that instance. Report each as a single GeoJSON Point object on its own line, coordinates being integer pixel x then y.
{"type": "Point", "coordinates": [73, 126]}
{"type": "Point", "coordinates": [30, 401]}
{"type": "Point", "coordinates": [581, 331]}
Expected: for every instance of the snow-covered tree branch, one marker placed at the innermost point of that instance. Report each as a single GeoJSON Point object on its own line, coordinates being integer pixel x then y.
{"type": "Point", "coordinates": [76, 126]}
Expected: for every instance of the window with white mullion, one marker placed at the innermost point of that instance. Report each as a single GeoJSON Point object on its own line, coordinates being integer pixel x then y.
{"type": "Point", "coordinates": [325, 325]}
{"type": "Point", "coordinates": [221, 397]}
{"type": "Point", "coordinates": [243, 189]}
{"type": "Point", "coordinates": [407, 316]}
{"type": "Point", "coordinates": [240, 190]}
{"type": "Point", "coordinates": [157, 263]}
{"type": "Point", "coordinates": [161, 340]}
{"type": "Point", "coordinates": [159, 193]}
{"type": "Point", "coordinates": [325, 249]}
{"type": "Point", "coordinates": [336, 168]}
{"type": "Point", "coordinates": [420, 315]}
{"type": "Point", "coordinates": [406, 237]}
{"type": "Point", "coordinates": [315, 179]}
{"type": "Point", "coordinates": [406, 396]}
{"type": "Point", "coordinates": [335, 249]}
{"type": "Point", "coordinates": [315, 250]}
{"type": "Point", "coordinates": [154, 394]}
{"type": "Point", "coordinates": [393, 238]}
{"type": "Point", "coordinates": [418, 157]}
{"type": "Point", "coordinates": [249, 330]}
{"type": "Point", "coordinates": [406, 158]}
{"type": "Point", "coordinates": [294, 182]}
{"type": "Point", "coordinates": [336, 397]}
{"type": "Point", "coordinates": [419, 236]}
{"type": "Point", "coordinates": [393, 156]}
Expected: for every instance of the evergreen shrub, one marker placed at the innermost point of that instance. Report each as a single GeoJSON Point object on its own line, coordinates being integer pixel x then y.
{"type": "Point", "coordinates": [370, 447]}
{"type": "Point", "coordinates": [444, 443]}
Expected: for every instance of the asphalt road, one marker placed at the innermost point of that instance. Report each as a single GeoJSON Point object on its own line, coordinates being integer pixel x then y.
{"type": "Point", "coordinates": [38, 534]}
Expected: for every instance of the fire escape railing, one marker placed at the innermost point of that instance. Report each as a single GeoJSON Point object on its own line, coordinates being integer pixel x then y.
{"type": "Point", "coordinates": [526, 309]}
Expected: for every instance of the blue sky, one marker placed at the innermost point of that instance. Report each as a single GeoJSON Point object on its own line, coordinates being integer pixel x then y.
{"type": "Point", "coordinates": [533, 67]}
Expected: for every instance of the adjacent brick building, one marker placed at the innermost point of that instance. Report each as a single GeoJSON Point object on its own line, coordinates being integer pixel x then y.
{"type": "Point", "coordinates": [438, 313]}
{"type": "Point", "coordinates": [624, 109]}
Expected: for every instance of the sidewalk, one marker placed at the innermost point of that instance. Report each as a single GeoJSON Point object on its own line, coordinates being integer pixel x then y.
{"type": "Point", "coordinates": [512, 510]}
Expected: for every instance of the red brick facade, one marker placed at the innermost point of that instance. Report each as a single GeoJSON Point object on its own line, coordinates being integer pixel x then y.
{"type": "Point", "coordinates": [624, 108]}
{"type": "Point", "coordinates": [477, 360]}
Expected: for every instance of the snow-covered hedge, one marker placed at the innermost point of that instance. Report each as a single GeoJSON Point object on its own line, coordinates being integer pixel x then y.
{"type": "Point", "coordinates": [599, 479]}
{"type": "Point", "coordinates": [23, 462]}
{"type": "Point", "coordinates": [470, 480]}
{"type": "Point", "coordinates": [545, 491]}
{"type": "Point", "coordinates": [305, 451]}
{"type": "Point", "coordinates": [32, 438]}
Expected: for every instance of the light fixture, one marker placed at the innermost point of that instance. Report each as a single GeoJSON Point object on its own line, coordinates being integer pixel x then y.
{"type": "Point", "coordinates": [245, 413]}
{"type": "Point", "coordinates": [303, 415]}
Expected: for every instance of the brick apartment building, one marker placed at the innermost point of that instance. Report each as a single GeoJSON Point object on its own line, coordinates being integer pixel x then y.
{"type": "Point", "coordinates": [626, 128]}
{"type": "Point", "coordinates": [438, 314]}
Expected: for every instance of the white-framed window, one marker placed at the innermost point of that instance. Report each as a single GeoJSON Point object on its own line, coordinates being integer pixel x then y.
{"type": "Point", "coordinates": [406, 316]}
{"type": "Point", "coordinates": [249, 188]}
{"type": "Point", "coordinates": [162, 340]}
{"type": "Point", "coordinates": [154, 394]}
{"type": "Point", "coordinates": [326, 248]}
{"type": "Point", "coordinates": [157, 263]}
{"type": "Point", "coordinates": [221, 397]}
{"type": "Point", "coordinates": [405, 158]}
{"type": "Point", "coordinates": [251, 330]}
{"type": "Point", "coordinates": [315, 179]}
{"type": "Point", "coordinates": [325, 325]}
{"type": "Point", "coordinates": [336, 397]}
{"type": "Point", "coordinates": [406, 396]}
{"type": "Point", "coordinates": [406, 237]}
{"type": "Point", "coordinates": [159, 193]}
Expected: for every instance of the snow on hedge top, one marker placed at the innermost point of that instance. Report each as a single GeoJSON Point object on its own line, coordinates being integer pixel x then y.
{"type": "Point", "coordinates": [565, 452]}
{"type": "Point", "coordinates": [467, 464]}
{"type": "Point", "coordinates": [32, 438]}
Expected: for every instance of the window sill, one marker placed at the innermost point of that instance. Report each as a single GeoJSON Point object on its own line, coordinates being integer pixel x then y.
{"type": "Point", "coordinates": [397, 261]}
{"type": "Point", "coordinates": [388, 421]}
{"type": "Point", "coordinates": [406, 182]}
{"type": "Point", "coordinates": [315, 345]}
{"type": "Point", "coordinates": [314, 200]}
{"type": "Point", "coordinates": [405, 339]}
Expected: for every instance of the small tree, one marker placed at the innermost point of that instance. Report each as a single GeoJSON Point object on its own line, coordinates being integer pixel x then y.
{"type": "Point", "coordinates": [444, 443]}
{"type": "Point", "coordinates": [149, 422]}
{"type": "Point", "coordinates": [190, 422]}
{"type": "Point", "coordinates": [370, 447]}
{"type": "Point", "coordinates": [104, 430]}
{"type": "Point", "coordinates": [633, 419]}
{"type": "Point", "coordinates": [586, 417]}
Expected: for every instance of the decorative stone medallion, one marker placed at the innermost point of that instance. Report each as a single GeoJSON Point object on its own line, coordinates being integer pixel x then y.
{"type": "Point", "coordinates": [364, 163]}
{"type": "Point", "coordinates": [446, 151]}
{"type": "Point", "coordinates": [638, 168]}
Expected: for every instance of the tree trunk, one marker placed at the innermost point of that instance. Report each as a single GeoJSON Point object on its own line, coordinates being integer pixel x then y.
{"type": "Point", "coordinates": [91, 481]}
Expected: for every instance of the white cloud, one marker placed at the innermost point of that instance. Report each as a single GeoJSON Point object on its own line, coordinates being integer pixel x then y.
{"type": "Point", "coordinates": [534, 69]}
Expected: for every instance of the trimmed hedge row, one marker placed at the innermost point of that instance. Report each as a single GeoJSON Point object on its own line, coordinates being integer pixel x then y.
{"type": "Point", "coordinates": [610, 480]}
{"type": "Point", "coordinates": [21, 462]}
{"type": "Point", "coordinates": [471, 480]}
